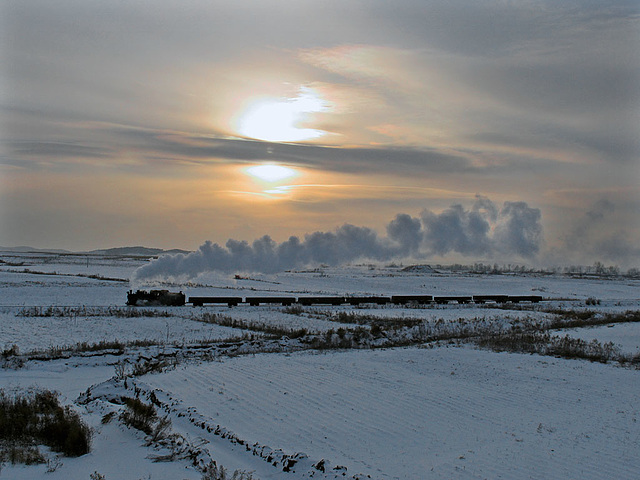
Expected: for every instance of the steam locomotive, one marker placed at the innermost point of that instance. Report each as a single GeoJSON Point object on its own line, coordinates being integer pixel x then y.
{"type": "Point", "coordinates": [155, 298]}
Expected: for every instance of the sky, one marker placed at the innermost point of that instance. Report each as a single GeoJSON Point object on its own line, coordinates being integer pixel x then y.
{"type": "Point", "coordinates": [464, 130]}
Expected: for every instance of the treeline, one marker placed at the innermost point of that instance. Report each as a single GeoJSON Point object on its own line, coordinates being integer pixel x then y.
{"type": "Point", "coordinates": [597, 269]}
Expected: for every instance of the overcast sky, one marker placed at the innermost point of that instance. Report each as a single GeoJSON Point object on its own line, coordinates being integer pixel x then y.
{"type": "Point", "coordinates": [139, 122]}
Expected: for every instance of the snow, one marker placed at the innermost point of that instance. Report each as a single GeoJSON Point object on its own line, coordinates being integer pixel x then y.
{"type": "Point", "coordinates": [430, 411]}
{"type": "Point", "coordinates": [117, 452]}
{"type": "Point", "coordinates": [397, 413]}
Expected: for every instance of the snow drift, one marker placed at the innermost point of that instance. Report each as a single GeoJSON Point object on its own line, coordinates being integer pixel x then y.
{"type": "Point", "coordinates": [482, 231]}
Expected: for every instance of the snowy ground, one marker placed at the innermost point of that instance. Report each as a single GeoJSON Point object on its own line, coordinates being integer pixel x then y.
{"type": "Point", "coordinates": [426, 413]}
{"type": "Point", "coordinates": [409, 413]}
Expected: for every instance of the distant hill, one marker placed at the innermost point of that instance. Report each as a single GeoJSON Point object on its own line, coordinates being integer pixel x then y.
{"type": "Point", "coordinates": [138, 250]}
{"type": "Point", "coordinates": [118, 251]}
{"type": "Point", "coordinates": [173, 251]}
{"type": "Point", "coordinates": [25, 249]}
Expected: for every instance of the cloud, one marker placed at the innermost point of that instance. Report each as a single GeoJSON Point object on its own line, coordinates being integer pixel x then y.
{"type": "Point", "coordinates": [512, 98]}
{"type": "Point", "coordinates": [58, 150]}
{"type": "Point", "coordinates": [482, 231]}
{"type": "Point", "coordinates": [345, 160]}
{"type": "Point", "coordinates": [600, 209]}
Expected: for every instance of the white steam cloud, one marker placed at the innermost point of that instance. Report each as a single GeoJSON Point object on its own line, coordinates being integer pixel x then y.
{"type": "Point", "coordinates": [483, 231]}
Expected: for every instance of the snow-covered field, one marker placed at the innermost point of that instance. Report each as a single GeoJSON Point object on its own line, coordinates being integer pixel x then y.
{"type": "Point", "coordinates": [425, 413]}
{"type": "Point", "coordinates": [433, 410]}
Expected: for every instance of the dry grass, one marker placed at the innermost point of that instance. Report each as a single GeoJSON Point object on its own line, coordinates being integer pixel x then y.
{"type": "Point", "coordinates": [37, 418]}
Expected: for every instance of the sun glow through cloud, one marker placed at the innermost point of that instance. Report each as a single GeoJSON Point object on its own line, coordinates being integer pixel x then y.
{"type": "Point", "coordinates": [280, 120]}
{"type": "Point", "coordinates": [271, 173]}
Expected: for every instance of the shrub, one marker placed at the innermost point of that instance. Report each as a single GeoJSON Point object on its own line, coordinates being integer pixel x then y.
{"type": "Point", "coordinates": [273, 330]}
{"type": "Point", "coordinates": [20, 453]}
{"type": "Point", "coordinates": [11, 351]}
{"type": "Point", "coordinates": [294, 310]}
{"type": "Point", "coordinates": [107, 418]}
{"type": "Point", "coordinates": [38, 418]}
{"type": "Point", "coordinates": [148, 366]}
{"type": "Point", "coordinates": [139, 415]}
{"type": "Point", "coordinates": [144, 417]}
{"type": "Point", "coordinates": [213, 472]}
{"type": "Point", "coordinates": [546, 344]}
{"type": "Point", "coordinates": [376, 330]}
{"type": "Point", "coordinates": [74, 312]}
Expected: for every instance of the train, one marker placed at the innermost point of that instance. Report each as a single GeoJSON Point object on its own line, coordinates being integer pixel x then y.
{"type": "Point", "coordinates": [166, 298]}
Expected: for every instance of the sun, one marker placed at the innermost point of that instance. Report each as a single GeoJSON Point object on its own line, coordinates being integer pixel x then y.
{"type": "Point", "coordinates": [279, 120]}
{"type": "Point", "coordinates": [271, 172]}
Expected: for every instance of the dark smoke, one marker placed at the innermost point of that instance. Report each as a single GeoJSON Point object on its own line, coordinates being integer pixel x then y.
{"type": "Point", "coordinates": [483, 231]}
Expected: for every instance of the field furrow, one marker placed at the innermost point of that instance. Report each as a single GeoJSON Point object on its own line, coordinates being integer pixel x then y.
{"type": "Point", "coordinates": [395, 413]}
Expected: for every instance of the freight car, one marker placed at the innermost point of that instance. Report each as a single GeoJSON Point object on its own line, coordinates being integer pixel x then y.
{"type": "Point", "coordinates": [525, 298]}
{"type": "Point", "coordinates": [321, 300]}
{"type": "Point", "coordinates": [452, 299]}
{"type": "Point", "coordinates": [490, 298]}
{"type": "Point", "coordinates": [415, 299]}
{"type": "Point", "coordinates": [200, 301]}
{"type": "Point", "coordinates": [285, 301]}
{"type": "Point", "coordinates": [375, 300]}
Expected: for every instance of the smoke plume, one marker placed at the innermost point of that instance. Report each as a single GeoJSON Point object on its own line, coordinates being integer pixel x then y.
{"type": "Point", "coordinates": [484, 231]}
